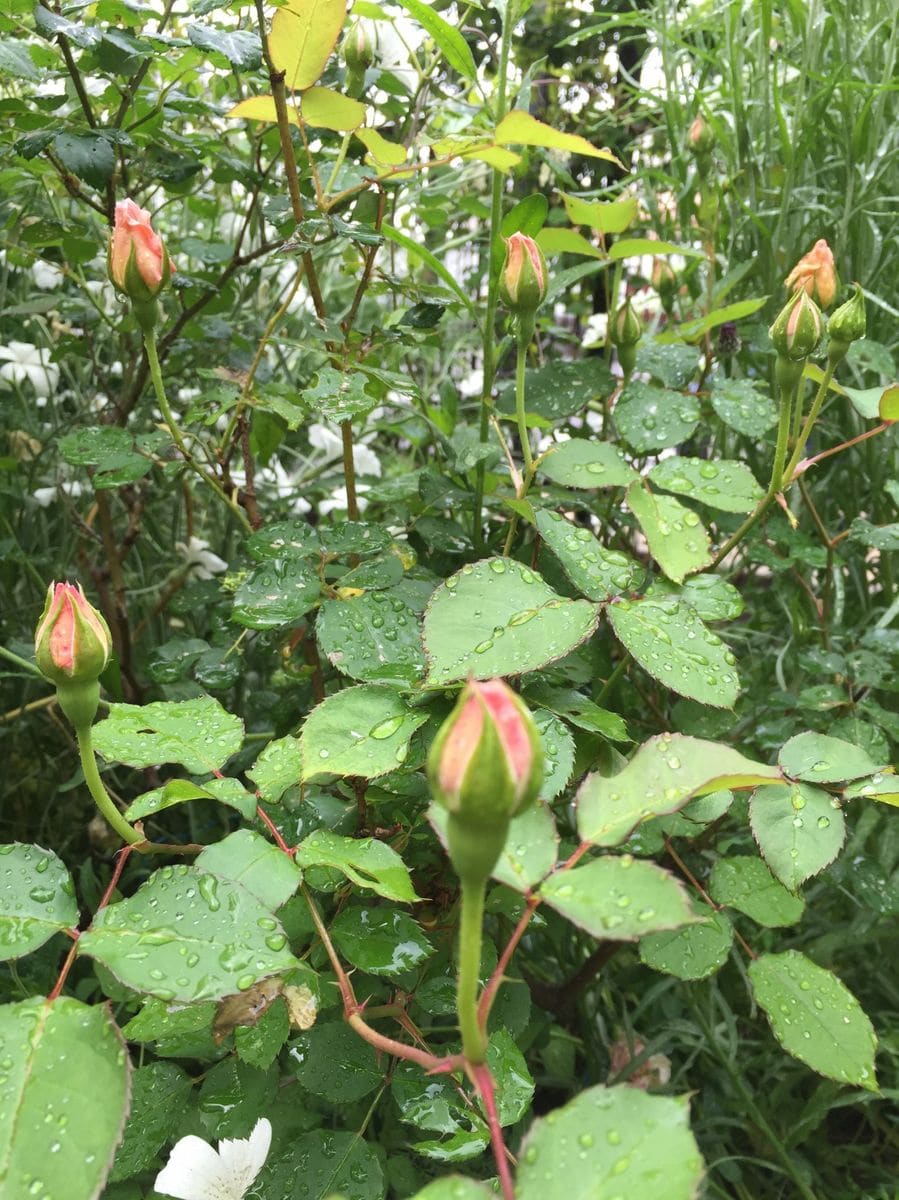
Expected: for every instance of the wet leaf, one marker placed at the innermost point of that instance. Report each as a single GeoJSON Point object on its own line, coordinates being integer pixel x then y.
{"type": "Point", "coordinates": [362, 731]}
{"type": "Point", "coordinates": [582, 463]}
{"type": "Point", "coordinates": [597, 573]}
{"type": "Point", "coordinates": [653, 418]}
{"type": "Point", "coordinates": [746, 884]}
{"type": "Point", "coordinates": [799, 830]}
{"type": "Point", "coordinates": [620, 898]}
{"type": "Point", "coordinates": [728, 486]}
{"type": "Point", "coordinates": [37, 898]}
{"type": "Point", "coordinates": [817, 758]}
{"type": "Point", "coordinates": [198, 734]}
{"type": "Point", "coordinates": [692, 952]}
{"type": "Point", "coordinates": [380, 940]}
{"type": "Point", "coordinates": [367, 862]}
{"type": "Point", "coordinates": [677, 538]}
{"type": "Point", "coordinates": [375, 638]}
{"type": "Point", "coordinates": [249, 859]}
{"type": "Point", "coordinates": [159, 1093]}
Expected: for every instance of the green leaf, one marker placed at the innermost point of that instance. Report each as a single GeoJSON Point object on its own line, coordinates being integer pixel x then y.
{"type": "Point", "coordinates": [618, 897]}
{"type": "Point", "coordinates": [581, 463]}
{"type": "Point", "coordinates": [259, 1044]}
{"type": "Point", "coordinates": [663, 775]}
{"type": "Point", "coordinates": [303, 35]}
{"type": "Point", "coordinates": [187, 935]}
{"type": "Point", "coordinates": [16, 61]}
{"type": "Point", "coordinates": [326, 109]}
{"type": "Point", "coordinates": [276, 593]}
{"type": "Point", "coordinates": [198, 734]}
{"type": "Point", "coordinates": [247, 858]}
{"type": "Point", "coordinates": [90, 156]}
{"type": "Point", "coordinates": [603, 215]}
{"type": "Point", "coordinates": [597, 573]}
{"type": "Point", "coordinates": [637, 247]}
{"type": "Point", "coordinates": [678, 540]}
{"type": "Point", "coordinates": [530, 850]}
{"type": "Point", "coordinates": [519, 128]}
{"type": "Point", "coordinates": [799, 830]}
{"type": "Point", "coordinates": [817, 758]}
{"type": "Point", "coordinates": [882, 786]}
{"type": "Point", "coordinates": [498, 617]}
{"type": "Point", "coordinates": [331, 1061]}
{"type": "Point", "coordinates": [668, 640]}
{"type": "Point", "coordinates": [368, 863]}
{"type": "Point", "coordinates": [323, 1164]}
{"type": "Point", "coordinates": [452, 44]}
{"type": "Point", "coordinates": [580, 711]}
{"type": "Point", "coordinates": [527, 216]}
{"type": "Point", "coordinates": [157, 1022]}
{"type": "Point", "coordinates": [815, 1017]}
{"type": "Point", "coordinates": [159, 1094]}
{"type": "Point", "coordinates": [553, 240]}
{"type": "Point", "coordinates": [514, 1083]}
{"type": "Point", "coordinates": [37, 898]}
{"type": "Point", "coordinates": [236, 1094]}
{"type": "Point", "coordinates": [277, 768]}
{"type": "Point", "coordinates": [673, 365]}
{"type": "Point", "coordinates": [455, 1187]}
{"type": "Point", "coordinates": [241, 47]}
{"type": "Point", "coordinates": [729, 486]}
{"type": "Point", "coordinates": [380, 940]}
{"type": "Point", "coordinates": [558, 753]}
{"type": "Point", "coordinates": [417, 250]}
{"type": "Point", "coordinates": [878, 537]}
{"type": "Point", "coordinates": [64, 1098]}
{"type": "Point", "coordinates": [374, 637]}
{"type": "Point", "coordinates": [434, 1104]}
{"type": "Point", "coordinates": [653, 418]}
{"type": "Point", "coordinates": [363, 731]}
{"type": "Point", "coordinates": [561, 389]}
{"type": "Point", "coordinates": [711, 597]}
{"type": "Point", "coordinates": [693, 952]}
{"type": "Point", "coordinates": [391, 154]}
{"type": "Point", "coordinates": [179, 791]}
{"type": "Point", "coordinates": [611, 1142]}
{"type": "Point", "coordinates": [692, 331]}
{"type": "Point", "coordinates": [338, 395]}
{"type": "Point", "coordinates": [742, 407]}
{"type": "Point", "coordinates": [746, 884]}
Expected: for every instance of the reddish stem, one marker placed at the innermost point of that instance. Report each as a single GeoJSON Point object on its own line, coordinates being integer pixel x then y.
{"type": "Point", "coordinates": [483, 1081]}
{"type": "Point", "coordinates": [493, 984]}
{"type": "Point", "coordinates": [803, 466]}
{"type": "Point", "coordinates": [273, 829]}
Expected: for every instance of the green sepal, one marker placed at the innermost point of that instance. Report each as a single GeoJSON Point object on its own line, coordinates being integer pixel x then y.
{"type": "Point", "coordinates": [474, 849]}
{"type": "Point", "coordinates": [79, 700]}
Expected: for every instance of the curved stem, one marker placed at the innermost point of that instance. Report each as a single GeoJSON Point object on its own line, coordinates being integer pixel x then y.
{"type": "Point", "coordinates": [178, 436]}
{"type": "Point", "coordinates": [102, 798]}
{"type": "Point", "coordinates": [474, 1041]}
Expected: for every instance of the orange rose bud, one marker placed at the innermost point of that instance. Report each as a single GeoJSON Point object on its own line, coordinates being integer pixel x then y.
{"type": "Point", "coordinates": [816, 275]}
{"type": "Point", "coordinates": [523, 280]}
{"type": "Point", "coordinates": [138, 262]}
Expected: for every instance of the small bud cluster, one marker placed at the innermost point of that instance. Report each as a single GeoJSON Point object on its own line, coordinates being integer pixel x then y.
{"type": "Point", "coordinates": [799, 326]}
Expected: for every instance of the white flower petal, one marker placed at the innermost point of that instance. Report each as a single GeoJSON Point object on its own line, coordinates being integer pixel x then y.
{"type": "Point", "coordinates": [197, 1172]}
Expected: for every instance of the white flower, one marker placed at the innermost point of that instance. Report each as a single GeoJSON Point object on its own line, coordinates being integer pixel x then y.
{"type": "Point", "coordinates": [44, 496]}
{"type": "Point", "coordinates": [330, 443]}
{"type": "Point", "coordinates": [197, 1172]}
{"type": "Point", "coordinates": [25, 361]}
{"type": "Point", "coordinates": [338, 500]}
{"type": "Point", "coordinates": [46, 276]}
{"type": "Point", "coordinates": [595, 330]}
{"type": "Point", "coordinates": [201, 562]}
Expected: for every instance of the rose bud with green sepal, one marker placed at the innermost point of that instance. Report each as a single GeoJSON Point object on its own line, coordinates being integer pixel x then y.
{"type": "Point", "coordinates": [485, 767]}
{"type": "Point", "coordinates": [138, 262]}
{"type": "Point", "coordinates": [625, 333]}
{"type": "Point", "coordinates": [72, 646]}
{"type": "Point", "coordinates": [523, 280]}
{"type": "Point", "coordinates": [847, 325]}
{"type": "Point", "coordinates": [798, 327]}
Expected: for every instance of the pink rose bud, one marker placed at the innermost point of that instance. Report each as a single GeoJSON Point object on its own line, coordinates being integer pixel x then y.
{"type": "Point", "coordinates": [816, 275]}
{"type": "Point", "coordinates": [138, 262]}
{"type": "Point", "coordinates": [700, 137]}
{"type": "Point", "coordinates": [72, 641]}
{"type": "Point", "coordinates": [485, 767]}
{"type": "Point", "coordinates": [797, 330]}
{"type": "Point", "coordinates": [523, 279]}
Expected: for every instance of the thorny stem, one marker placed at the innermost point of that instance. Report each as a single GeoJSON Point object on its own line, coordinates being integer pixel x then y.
{"type": "Point", "coordinates": [493, 984]}
{"type": "Point", "coordinates": [178, 437]}
{"type": "Point", "coordinates": [520, 414]}
{"type": "Point", "coordinates": [483, 1081]}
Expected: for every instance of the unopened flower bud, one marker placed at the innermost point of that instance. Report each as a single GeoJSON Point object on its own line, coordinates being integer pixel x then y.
{"type": "Point", "coordinates": [847, 324]}
{"type": "Point", "coordinates": [797, 330]}
{"type": "Point", "coordinates": [358, 48]}
{"type": "Point", "coordinates": [138, 262]}
{"type": "Point", "coordinates": [523, 280]}
{"type": "Point", "coordinates": [816, 274]}
{"type": "Point", "coordinates": [700, 138]}
{"type": "Point", "coordinates": [72, 646]}
{"type": "Point", "coordinates": [485, 767]}
{"type": "Point", "coordinates": [624, 333]}
{"type": "Point", "coordinates": [664, 281]}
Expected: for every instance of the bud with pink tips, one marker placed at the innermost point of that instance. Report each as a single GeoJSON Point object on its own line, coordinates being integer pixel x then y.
{"type": "Point", "coordinates": [485, 767]}
{"type": "Point", "coordinates": [523, 280]}
{"type": "Point", "coordinates": [816, 275]}
{"type": "Point", "coordinates": [72, 640]}
{"type": "Point", "coordinates": [138, 262]}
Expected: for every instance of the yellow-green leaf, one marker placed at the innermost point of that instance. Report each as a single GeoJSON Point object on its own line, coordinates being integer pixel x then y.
{"type": "Point", "coordinates": [453, 45]}
{"type": "Point", "coordinates": [261, 108]}
{"type": "Point", "coordinates": [495, 156]}
{"type": "Point", "coordinates": [566, 241]}
{"type": "Point", "coordinates": [889, 403]}
{"type": "Point", "coordinates": [520, 128]}
{"type": "Point", "coordinates": [326, 109]}
{"type": "Point", "coordinates": [304, 32]}
{"type": "Point", "coordinates": [387, 153]}
{"type": "Point", "coordinates": [632, 247]}
{"type": "Point", "coordinates": [606, 217]}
